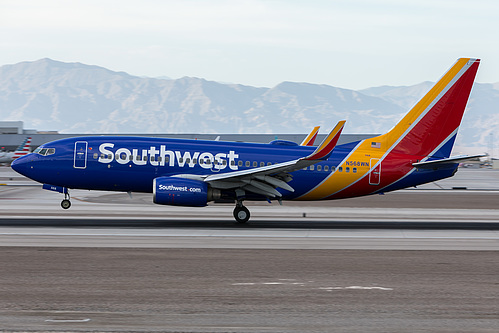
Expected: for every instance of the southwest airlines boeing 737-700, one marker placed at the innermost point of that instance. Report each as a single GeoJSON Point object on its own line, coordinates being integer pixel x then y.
{"type": "Point", "coordinates": [193, 172]}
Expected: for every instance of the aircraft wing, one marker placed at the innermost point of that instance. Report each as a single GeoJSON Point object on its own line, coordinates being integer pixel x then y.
{"type": "Point", "coordinates": [453, 159]}
{"type": "Point", "coordinates": [310, 139]}
{"type": "Point", "coordinates": [264, 180]}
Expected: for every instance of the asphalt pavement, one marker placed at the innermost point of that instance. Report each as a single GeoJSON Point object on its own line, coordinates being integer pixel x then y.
{"type": "Point", "coordinates": [419, 260]}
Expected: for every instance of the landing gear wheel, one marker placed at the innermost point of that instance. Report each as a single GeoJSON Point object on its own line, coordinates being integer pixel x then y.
{"type": "Point", "coordinates": [65, 203]}
{"type": "Point", "coordinates": [241, 214]}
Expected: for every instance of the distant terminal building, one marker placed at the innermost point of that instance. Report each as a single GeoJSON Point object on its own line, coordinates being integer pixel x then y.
{"type": "Point", "coordinates": [14, 127]}
{"type": "Point", "coordinates": [12, 134]}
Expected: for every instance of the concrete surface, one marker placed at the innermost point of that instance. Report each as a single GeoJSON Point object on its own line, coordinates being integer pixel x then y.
{"type": "Point", "coordinates": [422, 260]}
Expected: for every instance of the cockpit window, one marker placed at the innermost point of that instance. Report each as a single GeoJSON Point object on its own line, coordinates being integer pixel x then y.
{"type": "Point", "coordinates": [44, 151]}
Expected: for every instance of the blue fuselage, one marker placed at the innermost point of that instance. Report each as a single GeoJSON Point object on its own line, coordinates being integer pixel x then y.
{"type": "Point", "coordinates": [132, 163]}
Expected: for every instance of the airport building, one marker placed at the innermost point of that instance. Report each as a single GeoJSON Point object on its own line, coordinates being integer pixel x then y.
{"type": "Point", "coordinates": [14, 127]}
{"type": "Point", "coordinates": [12, 134]}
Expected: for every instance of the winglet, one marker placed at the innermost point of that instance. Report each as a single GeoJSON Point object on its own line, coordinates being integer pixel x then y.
{"type": "Point", "coordinates": [310, 139]}
{"type": "Point", "coordinates": [327, 146]}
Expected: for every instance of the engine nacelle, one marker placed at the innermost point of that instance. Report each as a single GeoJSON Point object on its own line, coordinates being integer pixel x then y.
{"type": "Point", "coordinates": [182, 192]}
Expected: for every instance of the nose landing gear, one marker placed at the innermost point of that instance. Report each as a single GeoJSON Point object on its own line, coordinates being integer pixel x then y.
{"type": "Point", "coordinates": [65, 204]}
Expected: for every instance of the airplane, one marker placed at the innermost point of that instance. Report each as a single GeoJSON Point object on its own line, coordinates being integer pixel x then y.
{"type": "Point", "coordinates": [23, 149]}
{"type": "Point", "coordinates": [194, 172]}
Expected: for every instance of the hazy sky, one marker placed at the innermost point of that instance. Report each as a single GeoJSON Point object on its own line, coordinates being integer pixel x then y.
{"type": "Point", "coordinates": [351, 44]}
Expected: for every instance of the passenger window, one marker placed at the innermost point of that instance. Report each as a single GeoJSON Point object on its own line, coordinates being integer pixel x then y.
{"type": "Point", "coordinates": [326, 168]}
{"type": "Point", "coordinates": [319, 167]}
{"type": "Point", "coordinates": [311, 168]}
{"type": "Point", "coordinates": [333, 168]}
{"type": "Point", "coordinates": [187, 160]}
{"type": "Point", "coordinates": [240, 163]}
{"type": "Point", "coordinates": [138, 158]}
{"type": "Point", "coordinates": [340, 169]}
{"type": "Point", "coordinates": [354, 170]}
{"type": "Point", "coordinates": [180, 160]}
{"type": "Point", "coordinates": [96, 156]}
{"type": "Point", "coordinates": [194, 160]}
{"type": "Point", "coordinates": [255, 164]}
{"type": "Point", "coordinates": [159, 158]}
{"type": "Point", "coordinates": [131, 157]}
{"type": "Point", "coordinates": [262, 164]}
{"type": "Point", "coordinates": [145, 158]}
{"type": "Point", "coordinates": [269, 163]}
{"type": "Point", "coordinates": [247, 163]}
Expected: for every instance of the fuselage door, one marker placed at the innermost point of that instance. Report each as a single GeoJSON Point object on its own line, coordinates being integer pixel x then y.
{"type": "Point", "coordinates": [375, 174]}
{"type": "Point", "coordinates": [80, 158]}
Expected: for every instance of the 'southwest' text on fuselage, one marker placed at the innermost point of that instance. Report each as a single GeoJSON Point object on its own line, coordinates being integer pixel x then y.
{"type": "Point", "coordinates": [161, 157]}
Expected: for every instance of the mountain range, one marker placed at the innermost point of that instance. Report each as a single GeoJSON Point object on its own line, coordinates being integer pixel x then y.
{"type": "Point", "coordinates": [85, 99]}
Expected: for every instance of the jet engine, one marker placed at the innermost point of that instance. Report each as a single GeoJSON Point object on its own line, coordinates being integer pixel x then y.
{"type": "Point", "coordinates": [182, 192]}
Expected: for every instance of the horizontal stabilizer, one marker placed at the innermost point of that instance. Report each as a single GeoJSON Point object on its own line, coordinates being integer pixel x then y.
{"type": "Point", "coordinates": [450, 160]}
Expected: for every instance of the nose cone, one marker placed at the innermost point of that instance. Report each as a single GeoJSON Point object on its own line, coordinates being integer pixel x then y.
{"type": "Point", "coordinates": [22, 165]}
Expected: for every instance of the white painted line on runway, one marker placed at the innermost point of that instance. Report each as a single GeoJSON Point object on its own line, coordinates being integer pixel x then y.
{"type": "Point", "coordinates": [354, 287]}
{"type": "Point", "coordinates": [68, 320]}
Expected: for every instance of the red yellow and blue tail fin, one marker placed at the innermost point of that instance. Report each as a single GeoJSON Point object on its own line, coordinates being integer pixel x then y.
{"type": "Point", "coordinates": [430, 127]}
{"type": "Point", "coordinates": [425, 134]}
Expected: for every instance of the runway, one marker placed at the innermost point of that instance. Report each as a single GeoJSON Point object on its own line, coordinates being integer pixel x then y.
{"type": "Point", "coordinates": [365, 239]}
{"type": "Point", "coordinates": [466, 220]}
{"type": "Point", "coordinates": [415, 260]}
{"type": "Point", "coordinates": [422, 219]}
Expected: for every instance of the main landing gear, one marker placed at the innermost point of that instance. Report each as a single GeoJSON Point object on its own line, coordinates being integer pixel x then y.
{"type": "Point", "coordinates": [65, 204]}
{"type": "Point", "coordinates": [241, 213]}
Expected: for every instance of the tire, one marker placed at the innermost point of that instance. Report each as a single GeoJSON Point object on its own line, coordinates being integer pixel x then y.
{"type": "Point", "coordinates": [241, 214]}
{"type": "Point", "coordinates": [65, 204]}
